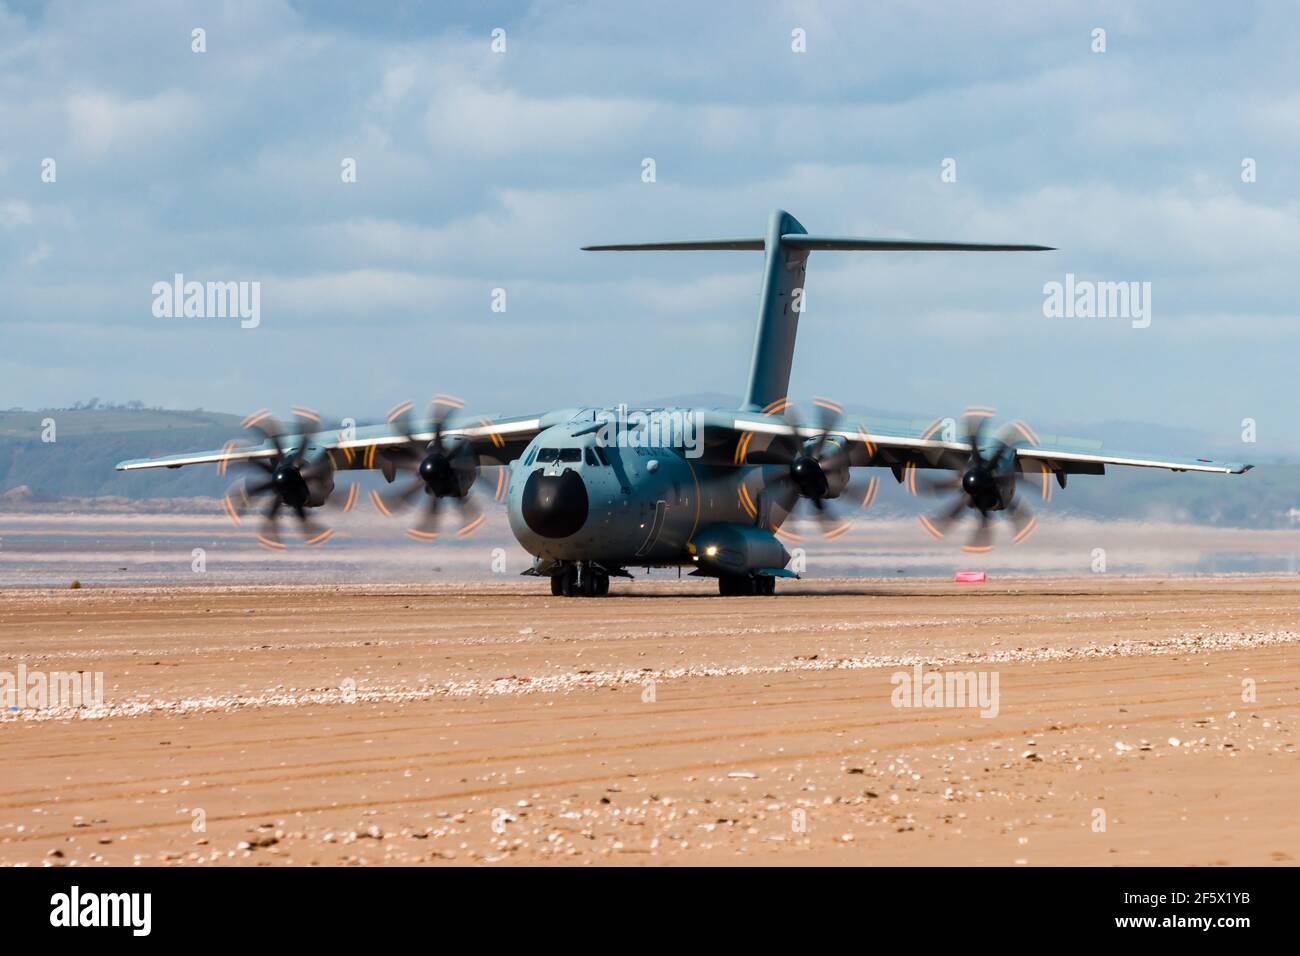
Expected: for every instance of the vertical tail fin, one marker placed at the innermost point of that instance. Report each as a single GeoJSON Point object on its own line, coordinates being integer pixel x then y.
{"type": "Point", "coordinates": [778, 313]}
{"type": "Point", "coordinates": [787, 245]}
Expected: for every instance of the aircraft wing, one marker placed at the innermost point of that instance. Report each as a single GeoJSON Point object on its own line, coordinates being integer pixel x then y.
{"type": "Point", "coordinates": [1074, 462]}
{"type": "Point", "coordinates": [496, 441]}
{"type": "Point", "coordinates": [922, 446]}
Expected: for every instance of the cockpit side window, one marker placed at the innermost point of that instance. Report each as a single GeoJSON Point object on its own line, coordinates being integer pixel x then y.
{"type": "Point", "coordinates": [591, 457]}
{"type": "Point", "coordinates": [532, 455]}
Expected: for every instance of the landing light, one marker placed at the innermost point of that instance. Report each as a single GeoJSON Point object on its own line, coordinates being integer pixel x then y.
{"type": "Point", "coordinates": [711, 550]}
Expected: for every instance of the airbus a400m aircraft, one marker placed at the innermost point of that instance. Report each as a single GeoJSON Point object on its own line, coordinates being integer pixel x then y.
{"type": "Point", "coordinates": [592, 492]}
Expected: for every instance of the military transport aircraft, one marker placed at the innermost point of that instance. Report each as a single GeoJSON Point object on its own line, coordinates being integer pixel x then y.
{"type": "Point", "coordinates": [592, 492]}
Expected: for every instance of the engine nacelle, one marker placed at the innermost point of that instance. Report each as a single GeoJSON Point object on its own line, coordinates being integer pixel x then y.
{"type": "Point", "coordinates": [300, 484]}
{"type": "Point", "coordinates": [322, 485]}
{"type": "Point", "coordinates": [448, 470]}
{"type": "Point", "coordinates": [737, 549]}
{"type": "Point", "coordinates": [989, 486]}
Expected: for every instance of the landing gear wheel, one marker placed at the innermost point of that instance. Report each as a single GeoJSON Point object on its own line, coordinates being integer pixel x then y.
{"type": "Point", "coordinates": [590, 586]}
{"type": "Point", "coordinates": [595, 582]}
{"type": "Point", "coordinates": [565, 583]}
{"type": "Point", "coordinates": [766, 585]}
{"type": "Point", "coordinates": [736, 585]}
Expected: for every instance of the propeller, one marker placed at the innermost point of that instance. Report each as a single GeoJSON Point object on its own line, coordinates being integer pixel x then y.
{"type": "Point", "coordinates": [984, 483]}
{"type": "Point", "coordinates": [808, 474]}
{"type": "Point", "coordinates": [441, 466]}
{"type": "Point", "coordinates": [296, 476]}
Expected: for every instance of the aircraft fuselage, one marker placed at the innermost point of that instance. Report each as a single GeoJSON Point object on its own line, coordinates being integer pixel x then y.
{"type": "Point", "coordinates": [576, 496]}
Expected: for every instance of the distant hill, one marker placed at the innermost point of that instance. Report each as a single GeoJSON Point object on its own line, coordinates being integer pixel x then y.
{"type": "Point", "coordinates": [88, 443]}
{"type": "Point", "coordinates": [76, 422]}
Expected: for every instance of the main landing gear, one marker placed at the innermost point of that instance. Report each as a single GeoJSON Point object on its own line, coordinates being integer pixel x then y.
{"type": "Point", "coordinates": [585, 580]}
{"type": "Point", "coordinates": [736, 585]}
{"type": "Point", "coordinates": [591, 580]}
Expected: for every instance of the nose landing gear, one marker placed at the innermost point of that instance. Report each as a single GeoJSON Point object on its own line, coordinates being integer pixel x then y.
{"type": "Point", "coordinates": [586, 580]}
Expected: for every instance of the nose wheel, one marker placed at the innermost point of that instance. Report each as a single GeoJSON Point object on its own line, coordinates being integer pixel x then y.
{"type": "Point", "coordinates": [584, 581]}
{"type": "Point", "coordinates": [564, 583]}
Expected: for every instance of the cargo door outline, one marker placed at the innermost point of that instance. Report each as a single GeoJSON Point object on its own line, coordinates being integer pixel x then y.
{"type": "Point", "coordinates": [656, 528]}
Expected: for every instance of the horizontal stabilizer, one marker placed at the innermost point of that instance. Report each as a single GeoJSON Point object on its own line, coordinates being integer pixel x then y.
{"type": "Point", "coordinates": [683, 245]}
{"type": "Point", "coordinates": [787, 246]}
{"type": "Point", "coordinates": [810, 243]}
{"type": "Point", "coordinates": [851, 243]}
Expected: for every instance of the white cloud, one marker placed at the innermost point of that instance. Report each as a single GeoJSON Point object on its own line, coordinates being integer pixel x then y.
{"type": "Point", "coordinates": [478, 170]}
{"type": "Point", "coordinates": [38, 255]}
{"type": "Point", "coordinates": [14, 213]}
{"type": "Point", "coordinates": [473, 120]}
{"type": "Point", "coordinates": [99, 122]}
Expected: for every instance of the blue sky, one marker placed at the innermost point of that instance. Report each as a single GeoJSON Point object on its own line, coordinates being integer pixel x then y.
{"type": "Point", "coordinates": [479, 170]}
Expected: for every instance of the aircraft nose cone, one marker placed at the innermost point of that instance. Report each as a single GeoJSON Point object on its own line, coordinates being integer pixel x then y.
{"type": "Point", "coordinates": [555, 506]}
